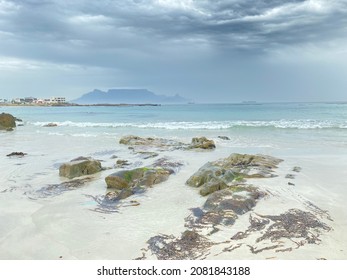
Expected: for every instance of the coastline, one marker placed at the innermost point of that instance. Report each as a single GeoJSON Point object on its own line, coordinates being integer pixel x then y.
{"type": "Point", "coordinates": [78, 105]}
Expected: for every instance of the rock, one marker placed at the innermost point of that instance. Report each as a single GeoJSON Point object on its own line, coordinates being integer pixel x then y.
{"type": "Point", "coordinates": [7, 122]}
{"type": "Point", "coordinates": [290, 176]}
{"type": "Point", "coordinates": [121, 163]}
{"type": "Point", "coordinates": [50, 125]}
{"type": "Point", "coordinates": [297, 169]}
{"type": "Point", "coordinates": [125, 193]}
{"type": "Point", "coordinates": [211, 186]}
{"type": "Point", "coordinates": [115, 196]}
{"type": "Point", "coordinates": [208, 172]}
{"type": "Point", "coordinates": [145, 176]}
{"type": "Point", "coordinates": [132, 140]}
{"type": "Point", "coordinates": [116, 181]}
{"type": "Point", "coordinates": [224, 206]}
{"type": "Point", "coordinates": [220, 174]}
{"type": "Point", "coordinates": [225, 200]}
{"type": "Point", "coordinates": [202, 143]}
{"type": "Point", "coordinates": [224, 137]}
{"type": "Point", "coordinates": [167, 164]}
{"type": "Point", "coordinates": [79, 167]}
{"type": "Point", "coordinates": [17, 154]}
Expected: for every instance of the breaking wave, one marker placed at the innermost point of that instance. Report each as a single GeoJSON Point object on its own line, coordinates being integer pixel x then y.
{"type": "Point", "coordinates": [212, 125]}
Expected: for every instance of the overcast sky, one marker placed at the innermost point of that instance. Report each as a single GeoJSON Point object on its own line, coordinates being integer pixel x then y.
{"type": "Point", "coordinates": [205, 50]}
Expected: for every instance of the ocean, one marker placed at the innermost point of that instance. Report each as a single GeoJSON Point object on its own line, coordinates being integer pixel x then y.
{"type": "Point", "coordinates": [276, 125]}
{"type": "Point", "coordinates": [310, 135]}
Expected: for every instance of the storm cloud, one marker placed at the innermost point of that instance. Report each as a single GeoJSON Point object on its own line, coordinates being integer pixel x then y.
{"type": "Point", "coordinates": [232, 50]}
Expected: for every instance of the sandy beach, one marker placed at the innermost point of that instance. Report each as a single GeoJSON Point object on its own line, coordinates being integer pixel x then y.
{"type": "Point", "coordinates": [41, 222]}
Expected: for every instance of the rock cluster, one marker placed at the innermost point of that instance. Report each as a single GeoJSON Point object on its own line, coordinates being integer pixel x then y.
{"type": "Point", "coordinates": [167, 144]}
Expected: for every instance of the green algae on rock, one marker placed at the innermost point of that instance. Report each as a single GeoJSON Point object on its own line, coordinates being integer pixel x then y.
{"type": "Point", "coordinates": [220, 174]}
{"type": "Point", "coordinates": [145, 176]}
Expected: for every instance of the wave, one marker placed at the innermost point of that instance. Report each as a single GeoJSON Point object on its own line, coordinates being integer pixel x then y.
{"type": "Point", "coordinates": [211, 125]}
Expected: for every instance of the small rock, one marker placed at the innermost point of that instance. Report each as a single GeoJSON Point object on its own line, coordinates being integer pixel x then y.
{"type": "Point", "coordinates": [79, 167]}
{"type": "Point", "coordinates": [121, 163]}
{"type": "Point", "coordinates": [224, 137]}
{"type": "Point", "coordinates": [297, 169]}
{"type": "Point", "coordinates": [17, 154]}
{"type": "Point", "coordinates": [50, 125]}
{"type": "Point", "coordinates": [202, 143]}
{"type": "Point", "coordinates": [290, 176]}
{"type": "Point", "coordinates": [291, 184]}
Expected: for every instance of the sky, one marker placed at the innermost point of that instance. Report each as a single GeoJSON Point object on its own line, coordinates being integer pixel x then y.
{"type": "Point", "coordinates": [205, 50]}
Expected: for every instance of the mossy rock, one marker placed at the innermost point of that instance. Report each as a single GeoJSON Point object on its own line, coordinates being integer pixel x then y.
{"type": "Point", "coordinates": [7, 122]}
{"type": "Point", "coordinates": [202, 143]}
{"type": "Point", "coordinates": [145, 176]}
{"type": "Point", "coordinates": [212, 186]}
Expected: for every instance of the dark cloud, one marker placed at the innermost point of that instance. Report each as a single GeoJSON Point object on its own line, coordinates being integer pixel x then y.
{"type": "Point", "coordinates": [179, 41]}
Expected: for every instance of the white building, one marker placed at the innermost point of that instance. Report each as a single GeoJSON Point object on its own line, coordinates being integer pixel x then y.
{"type": "Point", "coordinates": [58, 100]}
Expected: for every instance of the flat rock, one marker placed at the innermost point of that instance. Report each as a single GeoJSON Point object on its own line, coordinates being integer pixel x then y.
{"type": "Point", "coordinates": [50, 125]}
{"type": "Point", "coordinates": [16, 154]}
{"type": "Point", "coordinates": [166, 144]}
{"type": "Point", "coordinates": [234, 169]}
{"type": "Point", "coordinates": [80, 167]}
{"type": "Point", "coordinates": [145, 176]}
{"type": "Point", "coordinates": [132, 140]}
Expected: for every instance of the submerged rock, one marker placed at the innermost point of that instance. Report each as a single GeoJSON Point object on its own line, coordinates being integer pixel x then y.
{"type": "Point", "coordinates": [224, 206]}
{"type": "Point", "coordinates": [7, 122]}
{"type": "Point", "coordinates": [224, 137]}
{"type": "Point", "coordinates": [50, 125]}
{"type": "Point", "coordinates": [79, 167]}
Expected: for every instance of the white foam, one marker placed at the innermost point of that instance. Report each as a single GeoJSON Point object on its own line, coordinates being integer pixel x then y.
{"type": "Point", "coordinates": [211, 125]}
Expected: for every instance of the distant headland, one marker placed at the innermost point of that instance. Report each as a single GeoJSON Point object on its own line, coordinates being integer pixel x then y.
{"type": "Point", "coordinates": [127, 96]}
{"type": "Point", "coordinates": [112, 97]}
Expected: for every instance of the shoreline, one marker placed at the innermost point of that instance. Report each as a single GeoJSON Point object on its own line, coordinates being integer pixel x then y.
{"type": "Point", "coordinates": [78, 105]}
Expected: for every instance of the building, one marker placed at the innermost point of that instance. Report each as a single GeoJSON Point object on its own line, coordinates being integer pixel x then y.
{"type": "Point", "coordinates": [58, 100]}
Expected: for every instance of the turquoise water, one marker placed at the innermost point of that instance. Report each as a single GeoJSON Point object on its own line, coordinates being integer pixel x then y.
{"type": "Point", "coordinates": [216, 116]}
{"type": "Point", "coordinates": [300, 127]}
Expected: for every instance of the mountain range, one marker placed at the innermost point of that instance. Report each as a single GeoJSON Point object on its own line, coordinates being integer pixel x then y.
{"type": "Point", "coordinates": [127, 96]}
